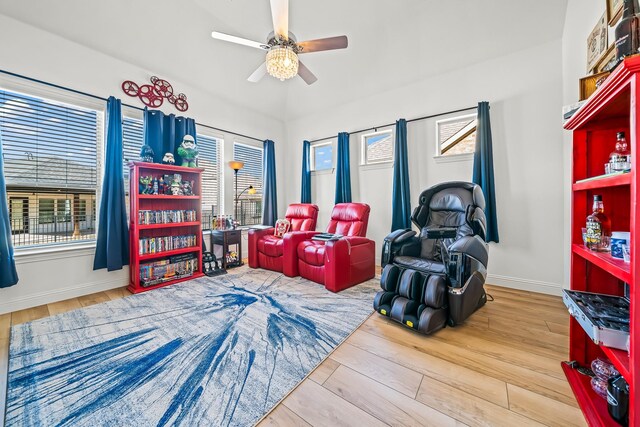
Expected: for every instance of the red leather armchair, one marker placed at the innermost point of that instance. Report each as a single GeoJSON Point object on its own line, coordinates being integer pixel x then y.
{"type": "Point", "coordinates": [265, 249]}
{"type": "Point", "coordinates": [336, 264]}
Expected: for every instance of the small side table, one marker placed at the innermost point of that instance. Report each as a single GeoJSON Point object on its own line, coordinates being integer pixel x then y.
{"type": "Point", "coordinates": [225, 238]}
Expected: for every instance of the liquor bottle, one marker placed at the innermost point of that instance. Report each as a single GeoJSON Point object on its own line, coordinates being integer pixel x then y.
{"type": "Point", "coordinates": [598, 226]}
{"type": "Point", "coordinates": [628, 30]}
{"type": "Point", "coordinates": [620, 159]}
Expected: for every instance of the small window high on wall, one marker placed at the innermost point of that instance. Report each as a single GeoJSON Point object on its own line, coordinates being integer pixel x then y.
{"type": "Point", "coordinates": [322, 156]}
{"type": "Point", "coordinates": [249, 205]}
{"type": "Point", "coordinates": [377, 148]}
{"type": "Point", "coordinates": [456, 135]}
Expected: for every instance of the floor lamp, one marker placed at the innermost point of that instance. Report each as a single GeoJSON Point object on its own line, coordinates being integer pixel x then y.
{"type": "Point", "coordinates": [236, 166]}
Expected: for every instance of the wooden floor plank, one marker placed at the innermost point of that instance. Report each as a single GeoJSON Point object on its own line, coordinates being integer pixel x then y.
{"type": "Point", "coordinates": [282, 416]}
{"type": "Point", "coordinates": [543, 409]}
{"type": "Point", "coordinates": [540, 383]}
{"type": "Point", "coordinates": [29, 314]}
{"type": "Point", "coordinates": [64, 306]}
{"type": "Point", "coordinates": [92, 299]}
{"type": "Point", "coordinates": [467, 408]}
{"type": "Point", "coordinates": [399, 378]}
{"type": "Point", "coordinates": [322, 372]}
{"type": "Point", "coordinates": [473, 382]}
{"type": "Point", "coordinates": [5, 325]}
{"type": "Point", "coordinates": [539, 336]}
{"type": "Point", "coordinates": [4, 369]}
{"type": "Point", "coordinates": [117, 293]}
{"type": "Point", "coordinates": [559, 328]}
{"type": "Point", "coordinates": [320, 407]}
{"type": "Point", "coordinates": [382, 402]}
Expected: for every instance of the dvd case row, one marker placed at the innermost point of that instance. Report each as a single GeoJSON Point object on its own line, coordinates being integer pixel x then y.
{"type": "Point", "coordinates": [146, 217]}
{"type": "Point", "coordinates": [171, 268]}
{"type": "Point", "coordinates": [154, 245]}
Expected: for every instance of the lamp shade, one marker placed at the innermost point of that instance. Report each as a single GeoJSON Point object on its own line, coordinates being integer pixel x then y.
{"type": "Point", "coordinates": [252, 190]}
{"type": "Point", "coordinates": [236, 165]}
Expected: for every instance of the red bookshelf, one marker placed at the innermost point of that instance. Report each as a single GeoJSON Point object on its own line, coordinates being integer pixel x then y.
{"type": "Point", "coordinates": [162, 202]}
{"type": "Point", "coordinates": [614, 107]}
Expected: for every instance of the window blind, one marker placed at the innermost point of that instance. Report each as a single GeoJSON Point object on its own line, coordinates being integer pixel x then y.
{"type": "Point", "coordinates": [209, 159]}
{"type": "Point", "coordinates": [251, 173]}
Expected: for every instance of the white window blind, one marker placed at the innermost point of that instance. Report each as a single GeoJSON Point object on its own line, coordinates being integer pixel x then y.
{"type": "Point", "coordinates": [251, 173]}
{"type": "Point", "coordinates": [50, 154]}
{"type": "Point", "coordinates": [209, 159]}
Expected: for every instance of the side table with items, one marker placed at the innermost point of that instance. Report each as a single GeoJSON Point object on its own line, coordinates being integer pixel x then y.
{"type": "Point", "coordinates": [226, 238]}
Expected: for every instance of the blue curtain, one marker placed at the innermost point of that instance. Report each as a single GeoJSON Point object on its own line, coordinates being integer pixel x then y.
{"type": "Point", "coordinates": [483, 169]}
{"type": "Point", "coordinates": [269, 193]}
{"type": "Point", "coordinates": [343, 170]}
{"type": "Point", "coordinates": [401, 197]}
{"type": "Point", "coordinates": [305, 196]}
{"type": "Point", "coordinates": [112, 246]}
{"type": "Point", "coordinates": [164, 133]}
{"type": "Point", "coordinates": [8, 273]}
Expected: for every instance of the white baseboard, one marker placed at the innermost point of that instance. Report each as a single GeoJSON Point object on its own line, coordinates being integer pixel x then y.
{"type": "Point", "coordinates": [42, 298]}
{"type": "Point", "coordinates": [525, 284]}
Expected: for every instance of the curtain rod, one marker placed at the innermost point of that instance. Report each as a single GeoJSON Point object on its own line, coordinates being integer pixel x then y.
{"type": "Point", "coordinates": [408, 121]}
{"type": "Point", "coordinates": [90, 95]}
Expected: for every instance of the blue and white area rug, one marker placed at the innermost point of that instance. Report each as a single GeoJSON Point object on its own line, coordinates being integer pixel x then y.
{"type": "Point", "coordinates": [210, 352]}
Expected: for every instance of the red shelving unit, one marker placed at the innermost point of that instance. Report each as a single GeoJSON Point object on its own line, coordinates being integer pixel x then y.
{"type": "Point", "coordinates": [157, 202]}
{"type": "Point", "coordinates": [614, 107]}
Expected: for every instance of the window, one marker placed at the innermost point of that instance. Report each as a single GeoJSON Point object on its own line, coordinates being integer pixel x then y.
{"type": "Point", "coordinates": [377, 148]}
{"type": "Point", "coordinates": [132, 142]}
{"type": "Point", "coordinates": [50, 159]}
{"type": "Point", "coordinates": [249, 205]}
{"type": "Point", "coordinates": [209, 159]}
{"type": "Point", "coordinates": [322, 156]}
{"type": "Point", "coordinates": [456, 135]}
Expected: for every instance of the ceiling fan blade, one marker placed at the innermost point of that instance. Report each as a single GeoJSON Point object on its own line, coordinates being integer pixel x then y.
{"type": "Point", "coordinates": [280, 17]}
{"type": "Point", "coordinates": [259, 73]}
{"type": "Point", "coordinates": [329, 43]}
{"type": "Point", "coordinates": [239, 40]}
{"type": "Point", "coordinates": [306, 75]}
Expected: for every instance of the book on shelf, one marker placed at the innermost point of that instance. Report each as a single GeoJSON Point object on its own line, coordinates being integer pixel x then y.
{"type": "Point", "coordinates": [152, 245]}
{"type": "Point", "coordinates": [147, 217]}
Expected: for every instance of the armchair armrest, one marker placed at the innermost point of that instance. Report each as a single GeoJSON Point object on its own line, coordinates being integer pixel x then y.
{"type": "Point", "coordinates": [394, 243]}
{"type": "Point", "coordinates": [290, 244]}
{"type": "Point", "coordinates": [473, 246]}
{"type": "Point", "coordinates": [254, 236]}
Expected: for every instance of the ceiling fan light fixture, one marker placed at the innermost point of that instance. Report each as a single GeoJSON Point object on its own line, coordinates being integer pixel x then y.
{"type": "Point", "coordinates": [282, 62]}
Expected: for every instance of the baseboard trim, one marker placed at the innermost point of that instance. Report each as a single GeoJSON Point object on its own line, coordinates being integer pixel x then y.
{"type": "Point", "coordinates": [525, 284]}
{"type": "Point", "coordinates": [42, 298]}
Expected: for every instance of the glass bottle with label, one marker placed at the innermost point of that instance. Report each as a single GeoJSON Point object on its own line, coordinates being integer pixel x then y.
{"type": "Point", "coordinates": [598, 226]}
{"type": "Point", "coordinates": [620, 159]}
{"type": "Point", "coordinates": [628, 30]}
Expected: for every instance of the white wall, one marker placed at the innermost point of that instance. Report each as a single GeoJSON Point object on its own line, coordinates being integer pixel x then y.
{"type": "Point", "coordinates": [54, 276]}
{"type": "Point", "coordinates": [525, 94]}
{"type": "Point", "coordinates": [580, 19]}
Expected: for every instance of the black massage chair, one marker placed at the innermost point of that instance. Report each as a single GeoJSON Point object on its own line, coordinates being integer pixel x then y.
{"type": "Point", "coordinates": [437, 277]}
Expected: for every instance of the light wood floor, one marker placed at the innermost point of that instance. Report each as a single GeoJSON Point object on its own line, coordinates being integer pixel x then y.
{"type": "Point", "coordinates": [502, 368]}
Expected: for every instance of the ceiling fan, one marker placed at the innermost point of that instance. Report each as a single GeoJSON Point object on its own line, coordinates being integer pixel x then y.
{"type": "Point", "coordinates": [282, 48]}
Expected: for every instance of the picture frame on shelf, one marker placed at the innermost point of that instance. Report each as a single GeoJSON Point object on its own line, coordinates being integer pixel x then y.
{"type": "Point", "coordinates": [589, 84]}
{"type": "Point", "coordinates": [614, 11]}
{"type": "Point", "coordinates": [597, 42]}
{"type": "Point", "coordinates": [607, 61]}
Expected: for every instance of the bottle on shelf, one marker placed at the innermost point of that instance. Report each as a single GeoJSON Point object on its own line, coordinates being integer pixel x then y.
{"type": "Point", "coordinates": [598, 227]}
{"type": "Point", "coordinates": [628, 30]}
{"type": "Point", "coordinates": [620, 159]}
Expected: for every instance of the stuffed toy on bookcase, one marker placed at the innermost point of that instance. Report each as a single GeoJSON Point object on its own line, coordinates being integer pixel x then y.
{"type": "Point", "coordinates": [188, 151]}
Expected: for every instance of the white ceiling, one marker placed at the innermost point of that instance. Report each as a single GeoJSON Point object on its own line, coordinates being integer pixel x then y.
{"type": "Point", "coordinates": [392, 43]}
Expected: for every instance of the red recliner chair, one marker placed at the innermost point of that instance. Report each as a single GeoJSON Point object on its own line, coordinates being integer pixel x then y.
{"type": "Point", "coordinates": [265, 249]}
{"type": "Point", "coordinates": [336, 264]}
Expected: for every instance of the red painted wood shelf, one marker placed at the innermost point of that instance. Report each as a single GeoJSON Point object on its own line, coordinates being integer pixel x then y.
{"type": "Point", "coordinates": [593, 406]}
{"type": "Point", "coordinates": [620, 359]}
{"type": "Point", "coordinates": [165, 254]}
{"type": "Point", "coordinates": [168, 225]}
{"type": "Point", "coordinates": [159, 202]}
{"type": "Point", "coordinates": [613, 107]}
{"type": "Point", "coordinates": [605, 261]}
{"type": "Point", "coordinates": [604, 182]}
{"type": "Point", "coordinates": [166, 197]}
